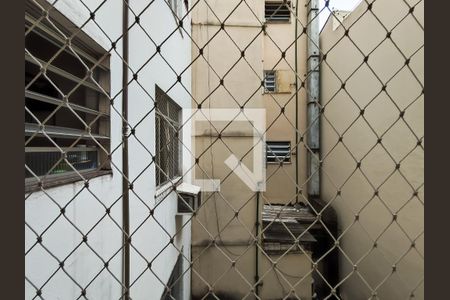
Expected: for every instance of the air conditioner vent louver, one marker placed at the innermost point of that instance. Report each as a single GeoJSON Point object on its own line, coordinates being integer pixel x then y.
{"type": "Point", "coordinates": [188, 198]}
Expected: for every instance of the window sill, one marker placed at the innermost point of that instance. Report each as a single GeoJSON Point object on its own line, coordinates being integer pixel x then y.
{"type": "Point", "coordinates": [32, 184]}
{"type": "Point", "coordinates": [164, 189]}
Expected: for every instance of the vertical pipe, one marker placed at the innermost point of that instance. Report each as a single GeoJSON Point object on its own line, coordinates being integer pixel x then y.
{"type": "Point", "coordinates": [125, 184]}
{"type": "Point", "coordinates": [330, 264]}
{"type": "Point", "coordinates": [257, 284]}
{"type": "Point", "coordinates": [313, 110]}
{"type": "Point", "coordinates": [312, 140]}
{"type": "Point", "coordinates": [296, 104]}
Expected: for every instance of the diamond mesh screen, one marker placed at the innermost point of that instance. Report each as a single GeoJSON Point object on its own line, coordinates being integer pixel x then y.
{"type": "Point", "coordinates": [132, 107]}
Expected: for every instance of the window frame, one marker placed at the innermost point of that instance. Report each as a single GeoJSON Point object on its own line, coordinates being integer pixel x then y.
{"type": "Point", "coordinates": [161, 96]}
{"type": "Point", "coordinates": [92, 53]}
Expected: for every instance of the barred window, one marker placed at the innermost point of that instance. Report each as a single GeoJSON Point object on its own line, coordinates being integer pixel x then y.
{"type": "Point", "coordinates": [66, 118]}
{"type": "Point", "coordinates": [277, 11]}
{"type": "Point", "coordinates": [277, 152]}
{"type": "Point", "coordinates": [168, 136]}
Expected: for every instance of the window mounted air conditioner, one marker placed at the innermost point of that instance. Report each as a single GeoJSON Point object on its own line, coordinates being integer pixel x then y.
{"type": "Point", "coordinates": [188, 198]}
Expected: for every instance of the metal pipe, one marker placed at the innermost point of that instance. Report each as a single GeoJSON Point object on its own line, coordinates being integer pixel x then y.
{"type": "Point", "coordinates": [313, 110]}
{"type": "Point", "coordinates": [125, 167]}
{"type": "Point", "coordinates": [257, 284]}
{"type": "Point", "coordinates": [330, 264]}
{"type": "Point", "coordinates": [296, 103]}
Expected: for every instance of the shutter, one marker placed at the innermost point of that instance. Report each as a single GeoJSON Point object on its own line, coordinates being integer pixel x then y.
{"type": "Point", "coordinates": [284, 79]}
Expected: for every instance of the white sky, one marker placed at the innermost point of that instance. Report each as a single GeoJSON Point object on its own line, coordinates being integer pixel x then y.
{"type": "Point", "coordinates": [335, 4]}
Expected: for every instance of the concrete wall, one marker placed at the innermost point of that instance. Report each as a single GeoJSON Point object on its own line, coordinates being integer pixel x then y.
{"type": "Point", "coordinates": [399, 145]}
{"type": "Point", "coordinates": [85, 209]}
{"type": "Point", "coordinates": [242, 86]}
{"type": "Point", "coordinates": [233, 283]}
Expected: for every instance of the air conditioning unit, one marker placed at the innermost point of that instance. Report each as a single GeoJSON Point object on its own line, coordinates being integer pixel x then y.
{"type": "Point", "coordinates": [188, 198]}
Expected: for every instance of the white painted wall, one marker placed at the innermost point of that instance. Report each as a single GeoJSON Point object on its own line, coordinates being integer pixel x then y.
{"type": "Point", "coordinates": [85, 209]}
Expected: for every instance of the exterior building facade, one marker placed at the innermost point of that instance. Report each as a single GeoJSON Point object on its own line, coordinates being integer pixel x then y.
{"type": "Point", "coordinates": [75, 214]}
{"type": "Point", "coordinates": [246, 56]}
{"type": "Point", "coordinates": [85, 184]}
{"type": "Point", "coordinates": [381, 204]}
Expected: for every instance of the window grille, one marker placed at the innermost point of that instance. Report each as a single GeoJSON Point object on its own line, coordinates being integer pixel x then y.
{"type": "Point", "coordinates": [42, 160]}
{"type": "Point", "coordinates": [277, 11]}
{"type": "Point", "coordinates": [277, 152]}
{"type": "Point", "coordinates": [66, 112]}
{"type": "Point", "coordinates": [270, 82]}
{"type": "Point", "coordinates": [168, 129]}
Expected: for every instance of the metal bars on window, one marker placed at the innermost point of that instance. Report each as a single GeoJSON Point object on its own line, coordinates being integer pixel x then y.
{"type": "Point", "coordinates": [168, 134]}
{"type": "Point", "coordinates": [41, 160]}
{"type": "Point", "coordinates": [66, 116]}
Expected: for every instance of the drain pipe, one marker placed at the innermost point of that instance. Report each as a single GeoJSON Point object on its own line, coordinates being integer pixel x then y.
{"type": "Point", "coordinates": [125, 167]}
{"type": "Point", "coordinates": [330, 265]}
{"type": "Point", "coordinates": [297, 190]}
{"type": "Point", "coordinates": [257, 283]}
{"type": "Point", "coordinates": [313, 110]}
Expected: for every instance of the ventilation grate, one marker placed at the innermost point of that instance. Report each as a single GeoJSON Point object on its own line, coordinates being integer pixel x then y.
{"type": "Point", "coordinates": [278, 152]}
{"type": "Point", "coordinates": [270, 81]}
{"type": "Point", "coordinates": [277, 11]}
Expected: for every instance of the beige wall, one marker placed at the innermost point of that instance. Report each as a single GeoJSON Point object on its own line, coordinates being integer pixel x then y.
{"type": "Point", "coordinates": [243, 87]}
{"type": "Point", "coordinates": [399, 144]}
{"type": "Point", "coordinates": [233, 283]}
